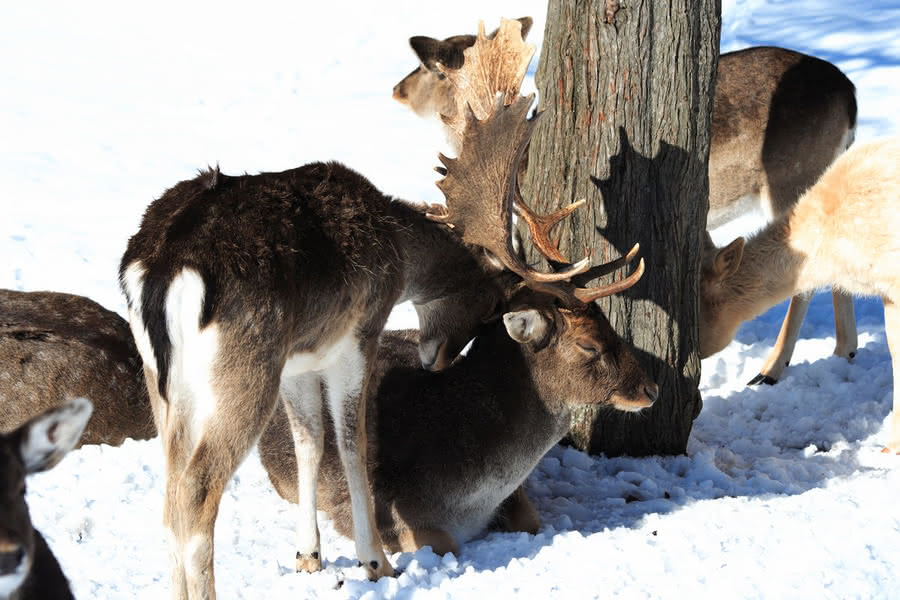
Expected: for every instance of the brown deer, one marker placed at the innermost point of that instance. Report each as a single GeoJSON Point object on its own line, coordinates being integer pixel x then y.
{"type": "Point", "coordinates": [241, 289]}
{"type": "Point", "coordinates": [55, 346]}
{"type": "Point", "coordinates": [779, 119]}
{"type": "Point", "coordinates": [842, 233]}
{"type": "Point", "coordinates": [28, 569]}
{"type": "Point", "coordinates": [447, 449]}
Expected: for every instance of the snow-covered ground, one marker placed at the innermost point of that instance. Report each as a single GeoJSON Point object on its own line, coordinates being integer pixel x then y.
{"type": "Point", "coordinates": [783, 493]}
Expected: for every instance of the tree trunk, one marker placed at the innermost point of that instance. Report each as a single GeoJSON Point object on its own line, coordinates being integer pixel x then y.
{"type": "Point", "coordinates": [627, 91]}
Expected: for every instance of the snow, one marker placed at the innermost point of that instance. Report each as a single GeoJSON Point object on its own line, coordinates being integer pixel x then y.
{"type": "Point", "coordinates": [783, 493]}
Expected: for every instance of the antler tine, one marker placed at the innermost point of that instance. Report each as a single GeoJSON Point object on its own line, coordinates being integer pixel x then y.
{"type": "Point", "coordinates": [606, 268]}
{"type": "Point", "coordinates": [590, 294]}
{"type": "Point", "coordinates": [540, 226]}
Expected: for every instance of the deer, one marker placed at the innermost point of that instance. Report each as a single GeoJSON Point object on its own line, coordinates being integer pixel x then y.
{"type": "Point", "coordinates": [243, 290]}
{"type": "Point", "coordinates": [779, 119]}
{"type": "Point", "coordinates": [849, 213]}
{"type": "Point", "coordinates": [449, 451]}
{"type": "Point", "coordinates": [55, 346]}
{"type": "Point", "coordinates": [28, 569]}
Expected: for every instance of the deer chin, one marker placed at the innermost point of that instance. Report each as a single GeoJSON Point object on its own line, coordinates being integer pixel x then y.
{"type": "Point", "coordinates": [433, 354]}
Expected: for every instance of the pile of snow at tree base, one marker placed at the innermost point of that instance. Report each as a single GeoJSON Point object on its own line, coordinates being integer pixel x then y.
{"type": "Point", "coordinates": [783, 493]}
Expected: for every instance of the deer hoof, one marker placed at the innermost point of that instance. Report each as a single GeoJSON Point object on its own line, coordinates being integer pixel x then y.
{"type": "Point", "coordinates": [766, 379]}
{"type": "Point", "coordinates": [376, 569]}
{"type": "Point", "coordinates": [309, 563]}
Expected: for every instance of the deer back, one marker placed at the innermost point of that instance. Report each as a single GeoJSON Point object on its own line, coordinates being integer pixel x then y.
{"type": "Point", "coordinates": [779, 119]}
{"type": "Point", "coordinates": [56, 346]}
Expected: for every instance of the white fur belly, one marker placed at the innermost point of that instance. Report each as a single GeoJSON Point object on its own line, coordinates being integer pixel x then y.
{"type": "Point", "coordinates": [321, 359]}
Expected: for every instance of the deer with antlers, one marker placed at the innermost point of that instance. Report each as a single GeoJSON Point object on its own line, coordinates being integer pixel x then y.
{"type": "Point", "coordinates": [779, 119]}
{"type": "Point", "coordinates": [841, 233]}
{"type": "Point", "coordinates": [243, 289]}
{"type": "Point", "coordinates": [450, 450]}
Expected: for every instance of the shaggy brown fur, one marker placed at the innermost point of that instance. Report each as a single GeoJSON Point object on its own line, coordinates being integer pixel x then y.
{"type": "Point", "coordinates": [56, 346]}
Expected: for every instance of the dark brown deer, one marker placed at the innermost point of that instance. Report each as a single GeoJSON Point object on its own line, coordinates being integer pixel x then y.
{"type": "Point", "coordinates": [28, 569]}
{"type": "Point", "coordinates": [447, 449]}
{"type": "Point", "coordinates": [55, 346]}
{"type": "Point", "coordinates": [241, 289]}
{"type": "Point", "coordinates": [779, 119]}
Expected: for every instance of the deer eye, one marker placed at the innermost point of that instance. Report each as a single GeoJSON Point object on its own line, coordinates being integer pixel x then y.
{"type": "Point", "coordinates": [588, 348]}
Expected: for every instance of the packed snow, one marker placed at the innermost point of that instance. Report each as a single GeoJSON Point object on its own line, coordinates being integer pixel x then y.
{"type": "Point", "coordinates": [783, 493]}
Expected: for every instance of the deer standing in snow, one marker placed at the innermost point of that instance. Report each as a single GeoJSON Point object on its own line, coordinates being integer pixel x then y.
{"type": "Point", "coordinates": [447, 449]}
{"type": "Point", "coordinates": [779, 119]}
{"type": "Point", "coordinates": [843, 233]}
{"type": "Point", "coordinates": [243, 289]}
{"type": "Point", "coordinates": [55, 346]}
{"type": "Point", "coordinates": [28, 569]}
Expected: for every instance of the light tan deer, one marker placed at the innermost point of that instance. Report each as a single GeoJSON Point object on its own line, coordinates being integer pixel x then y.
{"type": "Point", "coordinates": [843, 232]}
{"type": "Point", "coordinates": [779, 119]}
{"type": "Point", "coordinates": [55, 346]}
{"type": "Point", "coordinates": [448, 451]}
{"type": "Point", "coordinates": [241, 289]}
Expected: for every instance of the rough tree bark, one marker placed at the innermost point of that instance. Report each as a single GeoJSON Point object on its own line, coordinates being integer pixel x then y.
{"type": "Point", "coordinates": [627, 90]}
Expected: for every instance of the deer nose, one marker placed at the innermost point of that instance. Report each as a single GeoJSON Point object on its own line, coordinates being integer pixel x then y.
{"type": "Point", "coordinates": [399, 92]}
{"type": "Point", "coordinates": [652, 392]}
{"type": "Point", "coordinates": [11, 558]}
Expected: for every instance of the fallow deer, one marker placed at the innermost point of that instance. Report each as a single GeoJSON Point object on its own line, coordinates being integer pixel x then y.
{"type": "Point", "coordinates": [243, 289]}
{"type": "Point", "coordinates": [55, 346]}
{"type": "Point", "coordinates": [447, 449]}
{"type": "Point", "coordinates": [779, 119]}
{"type": "Point", "coordinates": [843, 232]}
{"type": "Point", "coordinates": [28, 569]}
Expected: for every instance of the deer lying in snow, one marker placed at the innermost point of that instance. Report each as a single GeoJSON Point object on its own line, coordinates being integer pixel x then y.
{"type": "Point", "coordinates": [446, 449]}
{"type": "Point", "coordinates": [843, 232]}
{"type": "Point", "coordinates": [779, 119]}
{"type": "Point", "coordinates": [55, 346]}
{"type": "Point", "coordinates": [241, 289]}
{"type": "Point", "coordinates": [28, 569]}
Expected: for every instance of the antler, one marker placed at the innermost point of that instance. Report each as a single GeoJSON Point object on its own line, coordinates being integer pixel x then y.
{"type": "Point", "coordinates": [482, 193]}
{"type": "Point", "coordinates": [491, 66]}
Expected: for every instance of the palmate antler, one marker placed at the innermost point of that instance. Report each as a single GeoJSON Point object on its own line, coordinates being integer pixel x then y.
{"type": "Point", "coordinates": [492, 65]}
{"type": "Point", "coordinates": [482, 193]}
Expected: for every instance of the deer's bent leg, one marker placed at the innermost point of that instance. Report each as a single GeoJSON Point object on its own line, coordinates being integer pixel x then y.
{"type": "Point", "coordinates": [347, 382]}
{"type": "Point", "coordinates": [780, 355]}
{"type": "Point", "coordinates": [440, 541]}
{"type": "Point", "coordinates": [844, 324]}
{"type": "Point", "coordinates": [517, 513]}
{"type": "Point", "coordinates": [892, 328]}
{"type": "Point", "coordinates": [302, 398]}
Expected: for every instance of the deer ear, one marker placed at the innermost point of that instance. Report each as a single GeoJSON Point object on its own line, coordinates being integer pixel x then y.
{"type": "Point", "coordinates": [47, 438]}
{"type": "Point", "coordinates": [728, 259]}
{"type": "Point", "coordinates": [526, 22]}
{"type": "Point", "coordinates": [525, 325]}
{"type": "Point", "coordinates": [432, 52]}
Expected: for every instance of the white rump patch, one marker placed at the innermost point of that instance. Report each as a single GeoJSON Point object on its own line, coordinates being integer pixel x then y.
{"type": "Point", "coordinates": [190, 381]}
{"type": "Point", "coordinates": [133, 279]}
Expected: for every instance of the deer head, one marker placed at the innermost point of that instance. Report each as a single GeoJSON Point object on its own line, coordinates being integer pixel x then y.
{"type": "Point", "coordinates": [719, 319]}
{"type": "Point", "coordinates": [446, 80]}
{"type": "Point", "coordinates": [35, 446]}
{"type": "Point", "coordinates": [481, 188]}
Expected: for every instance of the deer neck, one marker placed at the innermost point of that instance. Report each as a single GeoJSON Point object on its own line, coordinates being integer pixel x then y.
{"type": "Point", "coordinates": [434, 258]}
{"type": "Point", "coordinates": [770, 270]}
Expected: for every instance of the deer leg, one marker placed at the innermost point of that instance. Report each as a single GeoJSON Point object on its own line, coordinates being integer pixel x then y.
{"type": "Point", "coordinates": [302, 397]}
{"type": "Point", "coordinates": [780, 355]}
{"type": "Point", "coordinates": [844, 324]}
{"type": "Point", "coordinates": [440, 541]}
{"type": "Point", "coordinates": [347, 382]}
{"type": "Point", "coordinates": [240, 404]}
{"type": "Point", "coordinates": [892, 329]}
{"type": "Point", "coordinates": [517, 513]}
